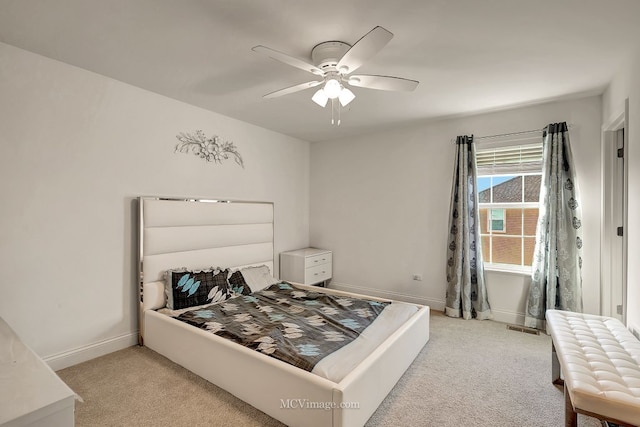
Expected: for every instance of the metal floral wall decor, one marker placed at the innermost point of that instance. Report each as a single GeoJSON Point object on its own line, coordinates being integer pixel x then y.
{"type": "Point", "coordinates": [210, 149]}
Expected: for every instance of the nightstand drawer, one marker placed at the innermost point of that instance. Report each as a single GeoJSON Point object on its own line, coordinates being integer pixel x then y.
{"type": "Point", "coordinates": [317, 274]}
{"type": "Point", "coordinates": [315, 260]}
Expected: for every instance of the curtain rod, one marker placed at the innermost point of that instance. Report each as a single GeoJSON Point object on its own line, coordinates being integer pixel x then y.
{"type": "Point", "coordinates": [524, 132]}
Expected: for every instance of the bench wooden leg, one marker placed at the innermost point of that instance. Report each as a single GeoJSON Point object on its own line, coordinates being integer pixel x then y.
{"type": "Point", "coordinates": [570, 416]}
{"type": "Point", "coordinates": [555, 367]}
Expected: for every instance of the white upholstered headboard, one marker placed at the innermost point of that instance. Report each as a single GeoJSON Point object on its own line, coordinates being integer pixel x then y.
{"type": "Point", "coordinates": [198, 233]}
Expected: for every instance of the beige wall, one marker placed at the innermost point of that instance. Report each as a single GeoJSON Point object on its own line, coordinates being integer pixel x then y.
{"type": "Point", "coordinates": [381, 203]}
{"type": "Point", "coordinates": [77, 149]}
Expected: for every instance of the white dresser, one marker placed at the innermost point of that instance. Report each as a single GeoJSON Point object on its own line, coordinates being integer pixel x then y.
{"type": "Point", "coordinates": [31, 394]}
{"type": "Point", "coordinates": [309, 266]}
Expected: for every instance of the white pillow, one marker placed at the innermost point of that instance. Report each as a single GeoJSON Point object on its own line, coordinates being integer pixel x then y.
{"type": "Point", "coordinates": [258, 277]}
{"type": "Point", "coordinates": [153, 295]}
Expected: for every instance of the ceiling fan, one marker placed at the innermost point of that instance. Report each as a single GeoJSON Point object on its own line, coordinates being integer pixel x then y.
{"type": "Point", "coordinates": [333, 63]}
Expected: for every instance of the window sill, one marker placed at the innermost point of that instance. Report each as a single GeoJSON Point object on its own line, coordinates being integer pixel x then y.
{"type": "Point", "coordinates": [505, 268]}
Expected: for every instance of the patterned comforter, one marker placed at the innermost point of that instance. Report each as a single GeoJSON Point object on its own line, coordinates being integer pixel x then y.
{"type": "Point", "coordinates": [297, 326]}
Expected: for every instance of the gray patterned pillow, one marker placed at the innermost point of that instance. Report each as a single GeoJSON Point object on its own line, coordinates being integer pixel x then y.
{"type": "Point", "coordinates": [238, 284]}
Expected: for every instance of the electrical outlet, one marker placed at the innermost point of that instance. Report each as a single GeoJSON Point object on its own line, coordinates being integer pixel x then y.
{"type": "Point", "coordinates": [417, 277]}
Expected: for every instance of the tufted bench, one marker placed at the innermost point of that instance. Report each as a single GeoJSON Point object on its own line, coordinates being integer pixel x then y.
{"type": "Point", "coordinates": [600, 362]}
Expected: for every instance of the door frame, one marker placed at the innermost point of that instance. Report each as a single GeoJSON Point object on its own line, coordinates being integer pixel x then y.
{"type": "Point", "coordinates": [607, 228]}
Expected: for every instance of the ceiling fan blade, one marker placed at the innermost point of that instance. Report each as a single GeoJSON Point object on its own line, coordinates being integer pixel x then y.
{"type": "Point", "coordinates": [364, 49]}
{"type": "Point", "coordinates": [292, 89]}
{"type": "Point", "coordinates": [383, 82]}
{"type": "Point", "coordinates": [287, 59]}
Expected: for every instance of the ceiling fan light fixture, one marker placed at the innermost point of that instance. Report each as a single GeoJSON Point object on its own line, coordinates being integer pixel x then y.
{"type": "Point", "coordinates": [332, 88]}
{"type": "Point", "coordinates": [346, 96]}
{"type": "Point", "coordinates": [320, 98]}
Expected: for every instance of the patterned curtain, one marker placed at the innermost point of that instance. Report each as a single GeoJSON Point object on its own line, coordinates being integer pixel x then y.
{"type": "Point", "coordinates": [557, 280]}
{"type": "Point", "coordinates": [466, 291]}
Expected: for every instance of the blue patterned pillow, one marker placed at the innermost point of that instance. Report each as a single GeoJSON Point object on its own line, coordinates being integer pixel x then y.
{"type": "Point", "coordinates": [187, 288]}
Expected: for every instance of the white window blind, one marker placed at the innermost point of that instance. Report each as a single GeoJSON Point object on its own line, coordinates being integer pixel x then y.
{"type": "Point", "coordinates": [514, 159]}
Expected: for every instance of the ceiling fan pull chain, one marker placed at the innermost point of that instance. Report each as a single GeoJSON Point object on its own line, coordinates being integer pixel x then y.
{"type": "Point", "coordinates": [333, 109]}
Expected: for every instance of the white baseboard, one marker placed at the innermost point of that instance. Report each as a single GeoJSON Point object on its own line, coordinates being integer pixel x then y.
{"type": "Point", "coordinates": [503, 316]}
{"type": "Point", "coordinates": [511, 317]}
{"type": "Point", "coordinates": [82, 354]}
{"type": "Point", "coordinates": [434, 304]}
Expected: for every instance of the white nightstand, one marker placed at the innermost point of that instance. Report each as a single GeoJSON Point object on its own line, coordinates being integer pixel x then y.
{"type": "Point", "coordinates": [309, 266]}
{"type": "Point", "coordinates": [31, 393]}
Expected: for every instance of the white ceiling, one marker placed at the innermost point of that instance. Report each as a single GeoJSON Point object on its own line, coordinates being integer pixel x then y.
{"type": "Point", "coordinates": [469, 55]}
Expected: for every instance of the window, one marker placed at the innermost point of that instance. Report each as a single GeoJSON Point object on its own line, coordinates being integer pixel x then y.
{"type": "Point", "coordinates": [509, 188]}
{"type": "Point", "coordinates": [496, 220]}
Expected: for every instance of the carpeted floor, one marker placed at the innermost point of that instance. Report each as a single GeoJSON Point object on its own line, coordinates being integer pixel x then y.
{"type": "Point", "coordinates": [470, 373]}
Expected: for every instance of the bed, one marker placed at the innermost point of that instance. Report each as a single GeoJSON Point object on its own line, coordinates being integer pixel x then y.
{"type": "Point", "coordinates": [195, 233]}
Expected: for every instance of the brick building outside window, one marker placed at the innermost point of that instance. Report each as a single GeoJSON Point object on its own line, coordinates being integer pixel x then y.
{"type": "Point", "coordinates": [508, 218]}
